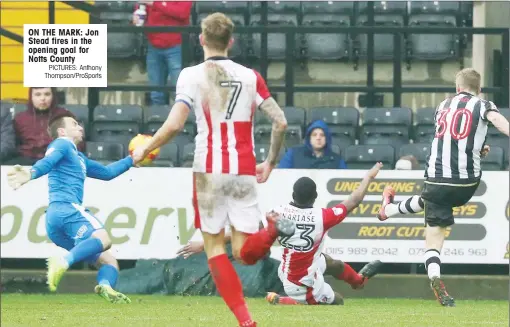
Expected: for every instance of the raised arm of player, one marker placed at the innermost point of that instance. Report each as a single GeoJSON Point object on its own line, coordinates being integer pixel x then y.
{"type": "Point", "coordinates": [176, 118]}
{"type": "Point", "coordinates": [335, 215]}
{"type": "Point", "coordinates": [268, 105]}
{"type": "Point", "coordinates": [499, 121]}
{"type": "Point", "coordinates": [359, 194]}
{"type": "Point", "coordinates": [99, 171]}
{"type": "Point", "coordinates": [17, 176]}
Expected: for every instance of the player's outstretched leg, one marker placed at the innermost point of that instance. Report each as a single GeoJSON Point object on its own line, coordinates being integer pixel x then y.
{"type": "Point", "coordinates": [413, 204]}
{"type": "Point", "coordinates": [274, 298]}
{"type": "Point", "coordinates": [255, 246]}
{"type": "Point", "coordinates": [226, 279]}
{"type": "Point", "coordinates": [98, 242]}
{"type": "Point", "coordinates": [343, 271]}
{"type": "Point", "coordinates": [434, 238]}
{"type": "Point", "coordinates": [368, 271]}
{"type": "Point", "coordinates": [107, 278]}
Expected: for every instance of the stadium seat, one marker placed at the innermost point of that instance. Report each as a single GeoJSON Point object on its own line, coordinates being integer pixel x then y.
{"type": "Point", "coordinates": [188, 155]}
{"type": "Point", "coordinates": [433, 46]}
{"type": "Point", "coordinates": [262, 150]}
{"type": "Point", "coordinates": [277, 7]}
{"type": "Point", "coordinates": [342, 122]}
{"type": "Point", "coordinates": [121, 113]}
{"type": "Point", "coordinates": [81, 112]}
{"type": "Point", "coordinates": [328, 7]}
{"type": "Point", "coordinates": [495, 160]}
{"type": "Point", "coordinates": [14, 108]}
{"type": "Point", "coordinates": [424, 129]}
{"type": "Point", "coordinates": [229, 7]}
{"type": "Point", "coordinates": [385, 7]}
{"type": "Point", "coordinates": [293, 136]}
{"type": "Point", "coordinates": [499, 141]}
{"type": "Point", "coordinates": [168, 156]}
{"type": "Point", "coordinates": [276, 42]}
{"type": "Point", "coordinates": [116, 123]}
{"type": "Point", "coordinates": [336, 148]}
{"type": "Point", "coordinates": [121, 45]}
{"type": "Point", "coordinates": [295, 129]}
{"type": "Point", "coordinates": [115, 6]}
{"type": "Point", "coordinates": [326, 46]}
{"type": "Point", "coordinates": [104, 152]}
{"type": "Point", "coordinates": [386, 126]}
{"type": "Point", "coordinates": [156, 116]}
{"type": "Point", "coordinates": [365, 156]}
{"type": "Point", "coordinates": [263, 133]}
{"type": "Point", "coordinates": [156, 113]}
{"type": "Point", "coordinates": [295, 116]}
{"type": "Point", "coordinates": [383, 43]}
{"type": "Point", "coordinates": [418, 150]}
{"type": "Point", "coordinates": [435, 7]}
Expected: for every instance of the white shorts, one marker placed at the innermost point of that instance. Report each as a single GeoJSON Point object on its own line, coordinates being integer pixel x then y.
{"type": "Point", "coordinates": [321, 292]}
{"type": "Point", "coordinates": [220, 200]}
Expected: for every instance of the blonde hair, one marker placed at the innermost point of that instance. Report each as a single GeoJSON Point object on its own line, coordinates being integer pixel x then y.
{"type": "Point", "coordinates": [468, 79]}
{"type": "Point", "coordinates": [217, 31]}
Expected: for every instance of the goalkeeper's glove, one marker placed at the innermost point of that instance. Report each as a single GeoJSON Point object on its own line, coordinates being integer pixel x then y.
{"type": "Point", "coordinates": [18, 176]}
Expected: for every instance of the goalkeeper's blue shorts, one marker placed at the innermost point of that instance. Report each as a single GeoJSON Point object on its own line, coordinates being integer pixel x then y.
{"type": "Point", "coordinates": [67, 224]}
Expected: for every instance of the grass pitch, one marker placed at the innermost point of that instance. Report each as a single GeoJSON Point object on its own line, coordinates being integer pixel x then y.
{"type": "Point", "coordinates": [153, 311]}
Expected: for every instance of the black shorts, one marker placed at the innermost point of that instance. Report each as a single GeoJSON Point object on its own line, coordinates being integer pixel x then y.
{"type": "Point", "coordinates": [440, 197]}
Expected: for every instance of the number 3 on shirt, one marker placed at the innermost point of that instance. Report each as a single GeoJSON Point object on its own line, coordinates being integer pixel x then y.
{"type": "Point", "coordinates": [453, 122]}
{"type": "Point", "coordinates": [238, 86]}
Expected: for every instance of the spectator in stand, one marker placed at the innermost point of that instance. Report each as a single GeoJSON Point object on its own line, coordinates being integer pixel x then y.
{"type": "Point", "coordinates": [316, 153]}
{"type": "Point", "coordinates": [164, 58]}
{"type": "Point", "coordinates": [31, 125]}
{"type": "Point", "coordinates": [7, 135]}
{"type": "Point", "coordinates": [408, 162]}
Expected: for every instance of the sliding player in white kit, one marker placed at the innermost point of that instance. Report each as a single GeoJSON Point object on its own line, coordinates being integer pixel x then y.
{"type": "Point", "coordinates": [224, 97]}
{"type": "Point", "coordinates": [303, 264]}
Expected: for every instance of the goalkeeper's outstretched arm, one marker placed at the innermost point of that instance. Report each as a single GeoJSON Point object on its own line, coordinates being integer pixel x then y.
{"type": "Point", "coordinates": [99, 171]}
{"type": "Point", "coordinates": [18, 175]}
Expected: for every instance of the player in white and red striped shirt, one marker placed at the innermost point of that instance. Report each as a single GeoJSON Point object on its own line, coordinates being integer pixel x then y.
{"type": "Point", "coordinates": [303, 264]}
{"type": "Point", "coordinates": [224, 97]}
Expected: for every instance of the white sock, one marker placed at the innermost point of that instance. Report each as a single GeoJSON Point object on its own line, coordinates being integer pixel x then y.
{"type": "Point", "coordinates": [412, 204]}
{"type": "Point", "coordinates": [433, 263]}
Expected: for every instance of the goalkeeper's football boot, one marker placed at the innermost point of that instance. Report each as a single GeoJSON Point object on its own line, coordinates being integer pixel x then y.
{"type": "Point", "coordinates": [440, 292]}
{"type": "Point", "coordinates": [284, 227]}
{"type": "Point", "coordinates": [388, 196]}
{"type": "Point", "coordinates": [57, 266]}
{"type": "Point", "coordinates": [368, 271]}
{"type": "Point", "coordinates": [111, 295]}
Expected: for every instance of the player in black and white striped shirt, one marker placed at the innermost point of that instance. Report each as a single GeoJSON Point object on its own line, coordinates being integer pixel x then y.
{"type": "Point", "coordinates": [453, 169]}
{"type": "Point", "coordinates": [461, 129]}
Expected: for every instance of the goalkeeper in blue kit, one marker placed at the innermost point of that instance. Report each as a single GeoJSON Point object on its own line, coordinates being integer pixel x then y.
{"type": "Point", "coordinates": [68, 224]}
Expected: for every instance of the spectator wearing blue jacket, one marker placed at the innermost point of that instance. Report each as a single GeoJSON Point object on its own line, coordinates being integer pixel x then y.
{"type": "Point", "coordinates": [316, 153]}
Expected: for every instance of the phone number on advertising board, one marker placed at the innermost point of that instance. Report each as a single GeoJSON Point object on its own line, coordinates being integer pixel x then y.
{"type": "Point", "coordinates": [451, 252]}
{"type": "Point", "coordinates": [363, 251]}
{"type": "Point", "coordinates": [411, 251]}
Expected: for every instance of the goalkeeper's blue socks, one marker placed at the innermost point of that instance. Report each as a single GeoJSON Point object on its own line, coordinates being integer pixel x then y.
{"type": "Point", "coordinates": [107, 275]}
{"type": "Point", "coordinates": [83, 250]}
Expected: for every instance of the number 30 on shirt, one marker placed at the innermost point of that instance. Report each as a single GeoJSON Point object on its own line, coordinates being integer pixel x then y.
{"type": "Point", "coordinates": [458, 132]}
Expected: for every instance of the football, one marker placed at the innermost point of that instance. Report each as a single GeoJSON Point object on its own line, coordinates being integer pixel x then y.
{"type": "Point", "coordinates": [139, 140]}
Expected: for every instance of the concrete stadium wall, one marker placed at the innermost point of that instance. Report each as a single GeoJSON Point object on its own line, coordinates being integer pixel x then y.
{"type": "Point", "coordinates": [382, 286]}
